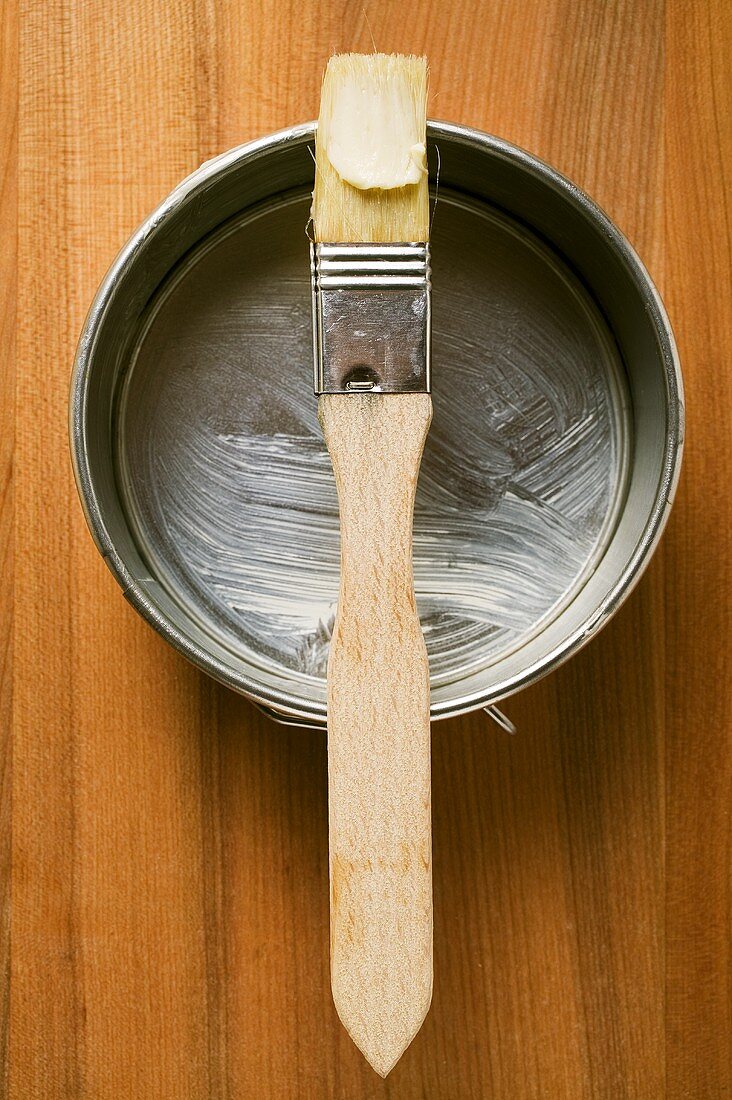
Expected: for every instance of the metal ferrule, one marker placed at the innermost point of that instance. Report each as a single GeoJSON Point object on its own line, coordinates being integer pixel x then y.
{"type": "Point", "coordinates": [371, 317]}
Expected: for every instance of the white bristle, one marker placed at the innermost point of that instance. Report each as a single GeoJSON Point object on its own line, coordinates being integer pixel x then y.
{"type": "Point", "coordinates": [370, 174]}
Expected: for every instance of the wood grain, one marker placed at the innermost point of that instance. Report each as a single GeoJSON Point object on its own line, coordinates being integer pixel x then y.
{"type": "Point", "coordinates": [698, 715]}
{"type": "Point", "coordinates": [8, 264]}
{"type": "Point", "coordinates": [169, 932]}
{"type": "Point", "coordinates": [379, 804]}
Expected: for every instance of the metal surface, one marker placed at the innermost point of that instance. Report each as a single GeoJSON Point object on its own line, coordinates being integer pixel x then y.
{"type": "Point", "coordinates": [229, 489]}
{"type": "Point", "coordinates": [549, 470]}
{"type": "Point", "coordinates": [371, 318]}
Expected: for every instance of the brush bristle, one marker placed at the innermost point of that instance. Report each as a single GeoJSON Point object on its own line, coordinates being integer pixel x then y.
{"type": "Point", "coordinates": [376, 106]}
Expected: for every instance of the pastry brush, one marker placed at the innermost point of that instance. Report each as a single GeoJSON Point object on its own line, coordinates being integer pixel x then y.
{"type": "Point", "coordinates": [371, 315]}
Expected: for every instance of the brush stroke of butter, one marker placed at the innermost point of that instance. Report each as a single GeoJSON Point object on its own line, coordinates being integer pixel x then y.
{"type": "Point", "coordinates": [373, 138]}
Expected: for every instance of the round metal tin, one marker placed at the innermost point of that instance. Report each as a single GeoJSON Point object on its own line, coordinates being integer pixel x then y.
{"type": "Point", "coordinates": [550, 466]}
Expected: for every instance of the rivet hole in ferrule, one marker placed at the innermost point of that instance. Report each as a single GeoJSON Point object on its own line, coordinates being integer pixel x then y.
{"type": "Point", "coordinates": [371, 317]}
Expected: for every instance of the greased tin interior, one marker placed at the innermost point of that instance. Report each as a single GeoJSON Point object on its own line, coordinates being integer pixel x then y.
{"type": "Point", "coordinates": [549, 468]}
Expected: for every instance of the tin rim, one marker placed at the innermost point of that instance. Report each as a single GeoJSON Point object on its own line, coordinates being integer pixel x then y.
{"type": "Point", "coordinates": [280, 704]}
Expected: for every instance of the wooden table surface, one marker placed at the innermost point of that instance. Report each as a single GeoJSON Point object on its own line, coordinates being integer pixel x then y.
{"type": "Point", "coordinates": [164, 870]}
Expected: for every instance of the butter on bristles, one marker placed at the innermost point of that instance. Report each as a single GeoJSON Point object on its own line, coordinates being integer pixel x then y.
{"type": "Point", "coordinates": [370, 150]}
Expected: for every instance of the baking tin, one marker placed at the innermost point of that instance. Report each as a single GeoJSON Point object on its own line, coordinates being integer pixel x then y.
{"type": "Point", "coordinates": [550, 467]}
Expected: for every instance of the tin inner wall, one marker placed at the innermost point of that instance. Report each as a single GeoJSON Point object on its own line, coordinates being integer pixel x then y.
{"type": "Point", "coordinates": [228, 486]}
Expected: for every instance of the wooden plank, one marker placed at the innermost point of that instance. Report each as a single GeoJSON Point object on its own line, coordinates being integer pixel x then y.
{"type": "Point", "coordinates": [108, 960]}
{"type": "Point", "coordinates": [697, 279]}
{"type": "Point", "coordinates": [8, 263]}
{"type": "Point", "coordinates": [169, 854]}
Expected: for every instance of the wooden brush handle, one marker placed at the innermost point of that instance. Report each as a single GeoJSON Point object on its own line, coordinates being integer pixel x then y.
{"type": "Point", "coordinates": [378, 730]}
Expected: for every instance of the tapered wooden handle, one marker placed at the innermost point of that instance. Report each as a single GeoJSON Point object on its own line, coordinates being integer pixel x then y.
{"type": "Point", "coordinates": [378, 730]}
